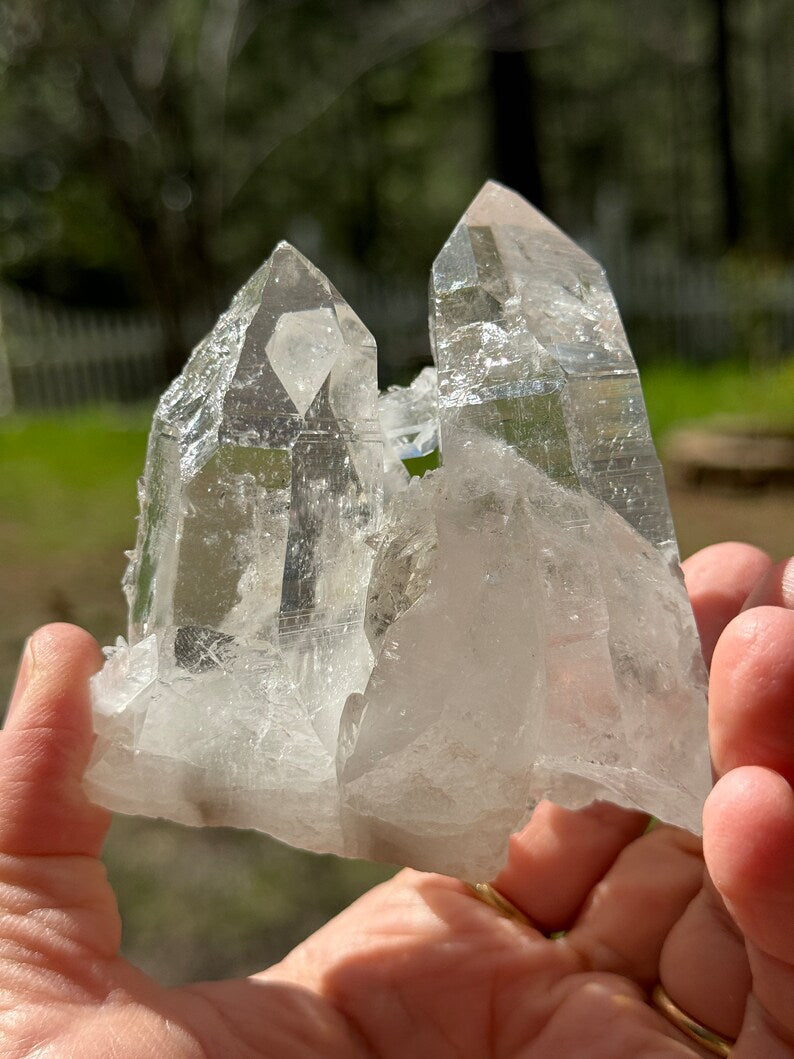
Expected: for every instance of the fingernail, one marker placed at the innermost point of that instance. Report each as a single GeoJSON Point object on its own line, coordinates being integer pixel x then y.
{"type": "Point", "coordinates": [26, 666]}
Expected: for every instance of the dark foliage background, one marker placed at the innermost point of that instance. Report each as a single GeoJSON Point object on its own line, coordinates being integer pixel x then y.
{"type": "Point", "coordinates": [153, 151]}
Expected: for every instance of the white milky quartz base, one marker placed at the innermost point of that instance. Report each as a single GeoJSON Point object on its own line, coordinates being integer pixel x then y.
{"type": "Point", "coordinates": [404, 681]}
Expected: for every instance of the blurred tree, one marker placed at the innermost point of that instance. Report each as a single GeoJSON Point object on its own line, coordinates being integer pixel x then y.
{"type": "Point", "coordinates": [140, 138]}
{"type": "Point", "coordinates": [762, 39]}
{"type": "Point", "coordinates": [515, 141]}
{"type": "Point", "coordinates": [724, 129]}
{"type": "Point", "coordinates": [152, 151]}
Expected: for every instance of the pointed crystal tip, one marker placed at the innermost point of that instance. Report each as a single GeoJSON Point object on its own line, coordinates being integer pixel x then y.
{"type": "Point", "coordinates": [494, 204]}
{"type": "Point", "coordinates": [531, 349]}
{"type": "Point", "coordinates": [283, 251]}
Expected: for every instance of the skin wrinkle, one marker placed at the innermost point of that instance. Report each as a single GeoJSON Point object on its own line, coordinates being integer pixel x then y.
{"type": "Point", "coordinates": [775, 1027]}
{"type": "Point", "coordinates": [344, 989]}
{"type": "Point", "coordinates": [759, 1027]}
{"type": "Point", "coordinates": [50, 942]}
{"type": "Point", "coordinates": [209, 992]}
{"type": "Point", "coordinates": [41, 984]}
{"type": "Point", "coordinates": [775, 588]}
{"type": "Point", "coordinates": [84, 929]}
{"type": "Point", "coordinates": [453, 1048]}
{"type": "Point", "coordinates": [582, 996]}
{"type": "Point", "coordinates": [594, 958]}
{"type": "Point", "coordinates": [778, 1031]}
{"type": "Point", "coordinates": [362, 1038]}
{"type": "Point", "coordinates": [668, 840]}
{"type": "Point", "coordinates": [534, 1025]}
{"type": "Point", "coordinates": [352, 1018]}
{"type": "Point", "coordinates": [231, 1029]}
{"type": "Point", "coordinates": [35, 903]}
{"type": "Point", "coordinates": [46, 983]}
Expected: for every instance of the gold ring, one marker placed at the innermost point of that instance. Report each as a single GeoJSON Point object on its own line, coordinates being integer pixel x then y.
{"type": "Point", "coordinates": [489, 895]}
{"type": "Point", "coordinates": [705, 1037]}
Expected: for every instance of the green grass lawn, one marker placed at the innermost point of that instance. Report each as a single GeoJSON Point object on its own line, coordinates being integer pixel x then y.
{"type": "Point", "coordinates": [676, 393]}
{"type": "Point", "coordinates": [68, 481]}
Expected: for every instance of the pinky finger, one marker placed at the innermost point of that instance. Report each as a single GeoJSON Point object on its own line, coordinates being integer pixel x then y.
{"type": "Point", "coordinates": [749, 850]}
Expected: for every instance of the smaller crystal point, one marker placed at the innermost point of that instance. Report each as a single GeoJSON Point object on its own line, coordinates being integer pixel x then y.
{"type": "Point", "coordinates": [531, 349]}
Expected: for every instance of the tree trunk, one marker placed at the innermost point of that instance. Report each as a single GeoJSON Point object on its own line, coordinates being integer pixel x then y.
{"type": "Point", "coordinates": [515, 147]}
{"type": "Point", "coordinates": [732, 220]}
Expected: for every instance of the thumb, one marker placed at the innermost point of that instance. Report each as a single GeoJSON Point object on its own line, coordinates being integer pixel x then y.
{"type": "Point", "coordinates": [44, 748]}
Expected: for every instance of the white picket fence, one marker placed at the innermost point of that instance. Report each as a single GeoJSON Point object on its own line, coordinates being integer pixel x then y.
{"type": "Point", "coordinates": [52, 357]}
{"type": "Point", "coordinates": [702, 311]}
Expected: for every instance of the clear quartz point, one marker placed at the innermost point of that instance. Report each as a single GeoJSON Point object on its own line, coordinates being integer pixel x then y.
{"type": "Point", "coordinates": [248, 583]}
{"type": "Point", "coordinates": [532, 632]}
{"type": "Point", "coordinates": [405, 681]}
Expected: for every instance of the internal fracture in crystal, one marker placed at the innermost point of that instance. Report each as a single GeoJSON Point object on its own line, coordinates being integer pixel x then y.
{"type": "Point", "coordinates": [404, 680]}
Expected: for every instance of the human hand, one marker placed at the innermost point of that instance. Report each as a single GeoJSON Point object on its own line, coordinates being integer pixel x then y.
{"type": "Point", "coordinates": [419, 967]}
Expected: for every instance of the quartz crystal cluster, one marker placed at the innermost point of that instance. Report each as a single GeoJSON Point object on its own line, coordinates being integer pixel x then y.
{"type": "Point", "coordinates": [398, 668]}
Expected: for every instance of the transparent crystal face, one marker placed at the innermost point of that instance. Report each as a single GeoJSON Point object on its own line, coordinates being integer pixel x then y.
{"type": "Point", "coordinates": [363, 663]}
{"type": "Point", "coordinates": [261, 491]}
{"type": "Point", "coordinates": [289, 471]}
{"type": "Point", "coordinates": [531, 349]}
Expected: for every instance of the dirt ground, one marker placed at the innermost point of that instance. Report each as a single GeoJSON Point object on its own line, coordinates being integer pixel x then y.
{"type": "Point", "coordinates": [764, 517]}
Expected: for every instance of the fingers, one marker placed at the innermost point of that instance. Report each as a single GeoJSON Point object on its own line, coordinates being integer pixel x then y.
{"type": "Point", "coordinates": [560, 855]}
{"type": "Point", "coordinates": [749, 816]}
{"type": "Point", "coordinates": [749, 849]}
{"type": "Point", "coordinates": [558, 858]}
{"type": "Point", "coordinates": [704, 964]}
{"type": "Point", "coordinates": [629, 914]}
{"type": "Point", "coordinates": [751, 719]}
{"type": "Point", "coordinates": [719, 580]}
{"type": "Point", "coordinates": [44, 748]}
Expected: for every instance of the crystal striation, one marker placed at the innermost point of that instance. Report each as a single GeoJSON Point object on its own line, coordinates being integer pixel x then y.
{"type": "Point", "coordinates": [405, 680]}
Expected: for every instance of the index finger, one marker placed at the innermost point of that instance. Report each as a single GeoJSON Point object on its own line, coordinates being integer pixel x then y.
{"type": "Point", "coordinates": [719, 579]}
